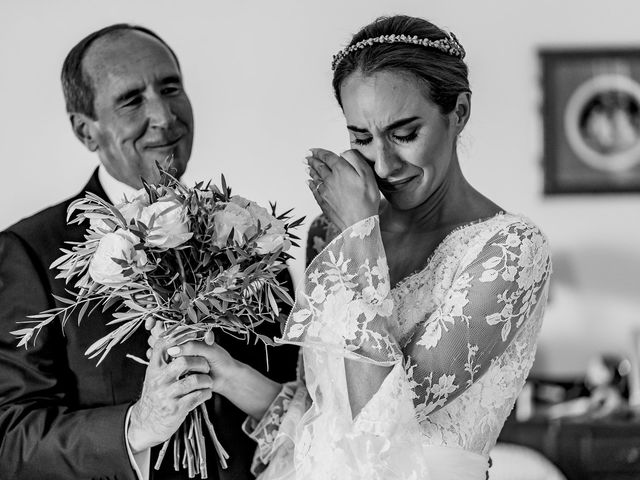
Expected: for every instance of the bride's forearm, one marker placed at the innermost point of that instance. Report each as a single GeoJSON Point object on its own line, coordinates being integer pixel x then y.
{"type": "Point", "coordinates": [363, 381]}
{"type": "Point", "coordinates": [249, 390]}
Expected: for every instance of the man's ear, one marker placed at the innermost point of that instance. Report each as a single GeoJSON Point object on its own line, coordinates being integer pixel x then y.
{"type": "Point", "coordinates": [462, 111]}
{"type": "Point", "coordinates": [83, 128]}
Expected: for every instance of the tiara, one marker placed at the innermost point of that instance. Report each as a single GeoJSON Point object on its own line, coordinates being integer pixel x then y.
{"type": "Point", "coordinates": [448, 45]}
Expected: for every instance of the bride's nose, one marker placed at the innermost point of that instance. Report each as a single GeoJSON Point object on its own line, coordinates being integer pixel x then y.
{"type": "Point", "coordinates": [385, 160]}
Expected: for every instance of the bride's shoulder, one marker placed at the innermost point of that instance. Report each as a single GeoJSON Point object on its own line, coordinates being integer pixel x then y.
{"type": "Point", "coordinates": [504, 223]}
{"type": "Point", "coordinates": [504, 231]}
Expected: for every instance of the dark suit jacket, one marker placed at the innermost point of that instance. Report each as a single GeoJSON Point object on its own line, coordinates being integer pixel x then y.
{"type": "Point", "coordinates": [61, 417]}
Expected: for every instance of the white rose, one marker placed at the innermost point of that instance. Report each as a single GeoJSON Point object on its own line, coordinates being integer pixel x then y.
{"type": "Point", "coordinates": [117, 245]}
{"type": "Point", "coordinates": [133, 207]}
{"type": "Point", "coordinates": [170, 225]}
{"type": "Point", "coordinates": [274, 237]}
{"type": "Point", "coordinates": [240, 201]}
{"type": "Point", "coordinates": [99, 225]}
{"type": "Point", "coordinates": [130, 210]}
{"type": "Point", "coordinates": [257, 212]}
{"type": "Point", "coordinates": [235, 217]}
{"type": "Point", "coordinates": [270, 242]}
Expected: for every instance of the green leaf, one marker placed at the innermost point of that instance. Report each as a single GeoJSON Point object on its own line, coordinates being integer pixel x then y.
{"type": "Point", "coordinates": [97, 345]}
{"type": "Point", "coordinates": [83, 310]}
{"type": "Point", "coordinates": [201, 306]}
{"type": "Point", "coordinates": [192, 314]}
{"type": "Point", "coordinates": [283, 295]}
{"type": "Point", "coordinates": [272, 302]}
{"type": "Point", "coordinates": [66, 301]}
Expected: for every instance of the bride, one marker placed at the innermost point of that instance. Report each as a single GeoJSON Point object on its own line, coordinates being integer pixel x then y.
{"type": "Point", "coordinates": [419, 318]}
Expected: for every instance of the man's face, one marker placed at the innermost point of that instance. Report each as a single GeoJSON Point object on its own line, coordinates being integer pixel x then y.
{"type": "Point", "coordinates": [143, 114]}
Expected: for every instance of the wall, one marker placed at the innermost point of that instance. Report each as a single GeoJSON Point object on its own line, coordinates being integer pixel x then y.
{"type": "Point", "coordinates": [258, 75]}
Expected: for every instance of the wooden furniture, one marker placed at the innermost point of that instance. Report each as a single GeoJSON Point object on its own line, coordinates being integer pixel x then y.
{"type": "Point", "coordinates": [583, 449]}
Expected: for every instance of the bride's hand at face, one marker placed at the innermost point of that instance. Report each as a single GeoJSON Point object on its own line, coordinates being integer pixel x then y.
{"type": "Point", "coordinates": [344, 186]}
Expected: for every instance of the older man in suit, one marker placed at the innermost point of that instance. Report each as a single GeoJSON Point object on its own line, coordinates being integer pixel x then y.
{"type": "Point", "coordinates": [61, 417]}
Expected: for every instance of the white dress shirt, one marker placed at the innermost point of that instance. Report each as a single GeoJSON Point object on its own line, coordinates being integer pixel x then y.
{"type": "Point", "coordinates": [115, 189]}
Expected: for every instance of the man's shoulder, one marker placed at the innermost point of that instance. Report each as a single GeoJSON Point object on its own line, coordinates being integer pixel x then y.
{"type": "Point", "coordinates": [49, 226]}
{"type": "Point", "coordinates": [45, 224]}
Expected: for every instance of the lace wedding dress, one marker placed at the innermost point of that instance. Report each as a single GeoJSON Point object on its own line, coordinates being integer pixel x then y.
{"type": "Point", "coordinates": [460, 336]}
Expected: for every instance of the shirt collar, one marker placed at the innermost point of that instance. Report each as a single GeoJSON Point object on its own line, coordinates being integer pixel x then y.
{"type": "Point", "coordinates": [115, 189]}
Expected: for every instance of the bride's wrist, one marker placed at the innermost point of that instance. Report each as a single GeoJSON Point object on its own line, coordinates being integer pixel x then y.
{"type": "Point", "coordinates": [231, 379]}
{"type": "Point", "coordinates": [248, 389]}
{"type": "Point", "coordinates": [350, 222]}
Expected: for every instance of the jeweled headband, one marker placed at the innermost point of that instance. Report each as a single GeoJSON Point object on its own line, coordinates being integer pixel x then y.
{"type": "Point", "coordinates": [448, 45]}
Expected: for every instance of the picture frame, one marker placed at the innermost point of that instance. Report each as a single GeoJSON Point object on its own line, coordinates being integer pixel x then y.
{"type": "Point", "coordinates": [591, 120]}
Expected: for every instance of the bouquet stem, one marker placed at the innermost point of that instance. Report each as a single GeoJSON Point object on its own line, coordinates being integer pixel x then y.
{"type": "Point", "coordinates": [190, 439]}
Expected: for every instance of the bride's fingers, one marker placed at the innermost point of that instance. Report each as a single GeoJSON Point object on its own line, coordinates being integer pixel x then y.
{"type": "Point", "coordinates": [320, 200]}
{"type": "Point", "coordinates": [314, 190]}
{"type": "Point", "coordinates": [157, 330]}
{"type": "Point", "coordinates": [149, 323]}
{"type": "Point", "coordinates": [315, 177]}
{"type": "Point", "coordinates": [318, 167]}
{"type": "Point", "coordinates": [358, 162]}
{"type": "Point", "coordinates": [329, 158]}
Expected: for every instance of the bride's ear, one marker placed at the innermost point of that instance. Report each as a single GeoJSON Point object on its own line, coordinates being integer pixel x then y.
{"type": "Point", "coordinates": [462, 111]}
{"type": "Point", "coordinates": [84, 130]}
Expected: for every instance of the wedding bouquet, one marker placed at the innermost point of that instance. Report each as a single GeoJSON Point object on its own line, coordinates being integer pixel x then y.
{"type": "Point", "coordinates": [197, 259]}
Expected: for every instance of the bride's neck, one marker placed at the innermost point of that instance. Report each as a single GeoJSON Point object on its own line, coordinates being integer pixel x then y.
{"type": "Point", "coordinates": [445, 206]}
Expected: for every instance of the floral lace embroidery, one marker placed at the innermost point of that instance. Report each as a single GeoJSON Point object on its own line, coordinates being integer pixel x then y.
{"type": "Point", "coordinates": [462, 331]}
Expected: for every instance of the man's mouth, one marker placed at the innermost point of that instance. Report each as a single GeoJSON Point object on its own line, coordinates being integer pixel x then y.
{"type": "Point", "coordinates": [164, 144]}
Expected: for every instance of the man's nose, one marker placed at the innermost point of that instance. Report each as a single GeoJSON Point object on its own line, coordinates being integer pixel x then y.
{"type": "Point", "coordinates": [159, 112]}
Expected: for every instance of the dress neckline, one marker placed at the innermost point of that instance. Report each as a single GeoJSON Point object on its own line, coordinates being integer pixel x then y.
{"type": "Point", "coordinates": [404, 280]}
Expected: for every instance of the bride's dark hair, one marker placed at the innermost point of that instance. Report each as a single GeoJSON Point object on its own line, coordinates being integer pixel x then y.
{"type": "Point", "coordinates": [443, 76]}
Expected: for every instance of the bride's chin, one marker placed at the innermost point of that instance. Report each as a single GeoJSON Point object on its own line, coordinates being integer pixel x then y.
{"type": "Point", "coordinates": [401, 202]}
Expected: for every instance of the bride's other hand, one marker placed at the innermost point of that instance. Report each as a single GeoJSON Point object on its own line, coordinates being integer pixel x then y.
{"type": "Point", "coordinates": [343, 185]}
{"type": "Point", "coordinates": [222, 366]}
{"type": "Point", "coordinates": [245, 387]}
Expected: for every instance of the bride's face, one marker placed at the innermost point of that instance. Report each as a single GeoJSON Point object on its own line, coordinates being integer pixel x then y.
{"type": "Point", "coordinates": [402, 134]}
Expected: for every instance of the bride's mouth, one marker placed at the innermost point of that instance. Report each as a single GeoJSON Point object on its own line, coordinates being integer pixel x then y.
{"type": "Point", "coordinates": [395, 185]}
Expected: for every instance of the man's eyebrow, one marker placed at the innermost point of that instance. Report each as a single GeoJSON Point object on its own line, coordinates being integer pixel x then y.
{"type": "Point", "coordinates": [397, 124]}
{"type": "Point", "coordinates": [129, 94]}
{"type": "Point", "coordinates": [171, 79]}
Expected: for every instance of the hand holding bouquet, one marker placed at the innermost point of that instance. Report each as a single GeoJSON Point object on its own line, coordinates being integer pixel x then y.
{"type": "Point", "coordinates": [195, 258]}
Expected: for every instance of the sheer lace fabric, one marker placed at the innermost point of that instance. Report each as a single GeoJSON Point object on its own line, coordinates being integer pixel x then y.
{"type": "Point", "coordinates": [460, 335]}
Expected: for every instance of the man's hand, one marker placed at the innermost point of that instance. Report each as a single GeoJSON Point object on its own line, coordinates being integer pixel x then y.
{"type": "Point", "coordinates": [170, 391]}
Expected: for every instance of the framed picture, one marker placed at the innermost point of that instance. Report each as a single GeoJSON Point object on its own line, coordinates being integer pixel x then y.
{"type": "Point", "coordinates": [591, 117]}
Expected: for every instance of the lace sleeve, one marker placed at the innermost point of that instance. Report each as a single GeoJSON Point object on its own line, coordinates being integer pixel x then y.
{"type": "Point", "coordinates": [345, 309]}
{"type": "Point", "coordinates": [321, 232]}
{"type": "Point", "coordinates": [275, 431]}
{"type": "Point", "coordinates": [345, 303]}
{"type": "Point", "coordinates": [493, 294]}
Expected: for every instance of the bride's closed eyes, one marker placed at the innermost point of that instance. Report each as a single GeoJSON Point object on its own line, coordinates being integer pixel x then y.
{"type": "Point", "coordinates": [409, 137]}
